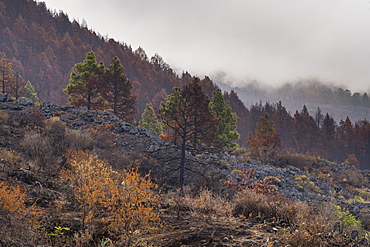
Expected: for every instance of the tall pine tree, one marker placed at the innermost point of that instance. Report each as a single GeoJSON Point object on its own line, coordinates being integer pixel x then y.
{"type": "Point", "coordinates": [174, 113]}
{"type": "Point", "coordinates": [117, 91]}
{"type": "Point", "coordinates": [180, 114]}
{"type": "Point", "coordinates": [5, 73]}
{"type": "Point", "coordinates": [85, 82]}
{"type": "Point", "coordinates": [226, 134]}
{"type": "Point", "coordinates": [204, 122]}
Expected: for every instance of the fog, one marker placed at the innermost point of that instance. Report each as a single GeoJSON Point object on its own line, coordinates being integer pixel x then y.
{"type": "Point", "coordinates": [271, 41]}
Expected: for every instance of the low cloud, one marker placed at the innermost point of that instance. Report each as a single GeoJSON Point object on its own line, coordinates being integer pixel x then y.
{"type": "Point", "coordinates": [270, 41]}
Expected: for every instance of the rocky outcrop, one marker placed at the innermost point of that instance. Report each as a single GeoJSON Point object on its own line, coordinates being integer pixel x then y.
{"type": "Point", "coordinates": [5, 97]}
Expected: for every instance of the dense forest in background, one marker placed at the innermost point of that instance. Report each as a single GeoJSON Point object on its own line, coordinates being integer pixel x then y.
{"type": "Point", "coordinates": [43, 47]}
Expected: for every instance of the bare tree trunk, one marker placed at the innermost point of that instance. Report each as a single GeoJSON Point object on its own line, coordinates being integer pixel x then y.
{"type": "Point", "coordinates": [182, 166]}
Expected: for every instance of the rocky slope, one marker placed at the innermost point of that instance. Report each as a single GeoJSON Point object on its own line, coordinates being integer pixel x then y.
{"type": "Point", "coordinates": [205, 168]}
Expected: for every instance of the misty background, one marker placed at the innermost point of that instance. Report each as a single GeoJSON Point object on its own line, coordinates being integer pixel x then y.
{"type": "Point", "coordinates": [270, 41]}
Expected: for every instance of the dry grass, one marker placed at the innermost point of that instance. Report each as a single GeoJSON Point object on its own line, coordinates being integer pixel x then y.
{"type": "Point", "coordinates": [351, 177]}
{"type": "Point", "coordinates": [251, 204]}
{"type": "Point", "coordinates": [208, 203]}
{"type": "Point", "coordinates": [318, 225]}
{"type": "Point", "coordinates": [4, 125]}
{"type": "Point", "coordinates": [79, 140]}
{"type": "Point", "coordinates": [10, 161]}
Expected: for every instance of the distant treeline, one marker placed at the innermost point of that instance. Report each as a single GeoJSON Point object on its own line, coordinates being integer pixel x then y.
{"type": "Point", "coordinates": [313, 91]}
{"type": "Point", "coordinates": [317, 134]}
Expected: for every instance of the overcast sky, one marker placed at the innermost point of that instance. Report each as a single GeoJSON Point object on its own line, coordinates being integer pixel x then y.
{"type": "Point", "coordinates": [272, 41]}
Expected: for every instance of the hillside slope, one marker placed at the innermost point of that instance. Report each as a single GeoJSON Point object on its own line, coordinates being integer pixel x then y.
{"type": "Point", "coordinates": [192, 220]}
{"type": "Point", "coordinates": [44, 46]}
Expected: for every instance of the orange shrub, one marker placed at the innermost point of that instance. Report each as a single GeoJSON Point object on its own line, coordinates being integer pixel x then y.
{"type": "Point", "coordinates": [12, 204]}
{"type": "Point", "coordinates": [352, 161]}
{"type": "Point", "coordinates": [131, 205]}
{"type": "Point", "coordinates": [124, 202]}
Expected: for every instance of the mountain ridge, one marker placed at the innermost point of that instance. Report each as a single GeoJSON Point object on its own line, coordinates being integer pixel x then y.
{"type": "Point", "coordinates": [251, 96]}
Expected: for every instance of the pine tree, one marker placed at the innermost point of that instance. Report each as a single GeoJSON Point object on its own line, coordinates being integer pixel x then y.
{"type": "Point", "coordinates": [365, 100]}
{"type": "Point", "coordinates": [346, 139]}
{"type": "Point", "coordinates": [180, 114]}
{"type": "Point", "coordinates": [226, 134]}
{"type": "Point", "coordinates": [117, 91]}
{"type": "Point", "coordinates": [265, 144]}
{"type": "Point", "coordinates": [17, 85]}
{"type": "Point", "coordinates": [150, 121]}
{"type": "Point", "coordinates": [29, 92]}
{"type": "Point", "coordinates": [328, 128]}
{"type": "Point", "coordinates": [304, 111]}
{"type": "Point", "coordinates": [283, 124]}
{"type": "Point", "coordinates": [85, 82]}
{"type": "Point", "coordinates": [319, 117]}
{"type": "Point", "coordinates": [356, 99]}
{"type": "Point", "coordinates": [362, 143]}
{"type": "Point", "coordinates": [204, 122]}
{"type": "Point", "coordinates": [306, 133]}
{"type": "Point", "coordinates": [5, 72]}
{"type": "Point", "coordinates": [174, 113]}
{"type": "Point", "coordinates": [265, 134]}
{"type": "Point", "coordinates": [159, 64]}
{"type": "Point", "coordinates": [244, 115]}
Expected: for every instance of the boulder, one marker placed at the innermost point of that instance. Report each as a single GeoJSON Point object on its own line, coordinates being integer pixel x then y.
{"type": "Point", "coordinates": [5, 97]}
{"type": "Point", "coordinates": [25, 102]}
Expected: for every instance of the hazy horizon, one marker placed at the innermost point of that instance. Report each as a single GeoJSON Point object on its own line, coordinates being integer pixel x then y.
{"type": "Point", "coordinates": [270, 41]}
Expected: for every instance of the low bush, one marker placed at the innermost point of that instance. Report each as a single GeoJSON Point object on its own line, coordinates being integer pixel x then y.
{"type": "Point", "coordinates": [79, 140]}
{"type": "Point", "coordinates": [312, 226]}
{"type": "Point", "coordinates": [364, 216]}
{"type": "Point", "coordinates": [40, 151]}
{"type": "Point", "coordinates": [16, 218]}
{"type": "Point", "coordinates": [10, 160]}
{"type": "Point", "coordinates": [301, 161]}
{"type": "Point", "coordinates": [351, 177]}
{"type": "Point", "coordinates": [32, 121]}
{"type": "Point", "coordinates": [208, 203]}
{"type": "Point", "coordinates": [323, 224]}
{"type": "Point", "coordinates": [304, 182]}
{"type": "Point", "coordinates": [251, 204]}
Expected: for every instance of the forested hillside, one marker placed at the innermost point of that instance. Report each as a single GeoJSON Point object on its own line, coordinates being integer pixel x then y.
{"type": "Point", "coordinates": [43, 47]}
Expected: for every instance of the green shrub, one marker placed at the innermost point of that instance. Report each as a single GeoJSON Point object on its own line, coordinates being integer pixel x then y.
{"type": "Point", "coordinates": [304, 182]}
{"type": "Point", "coordinates": [347, 219]}
{"type": "Point", "coordinates": [236, 172]}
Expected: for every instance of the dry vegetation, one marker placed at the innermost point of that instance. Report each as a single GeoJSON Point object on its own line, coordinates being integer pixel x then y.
{"type": "Point", "coordinates": [68, 187]}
